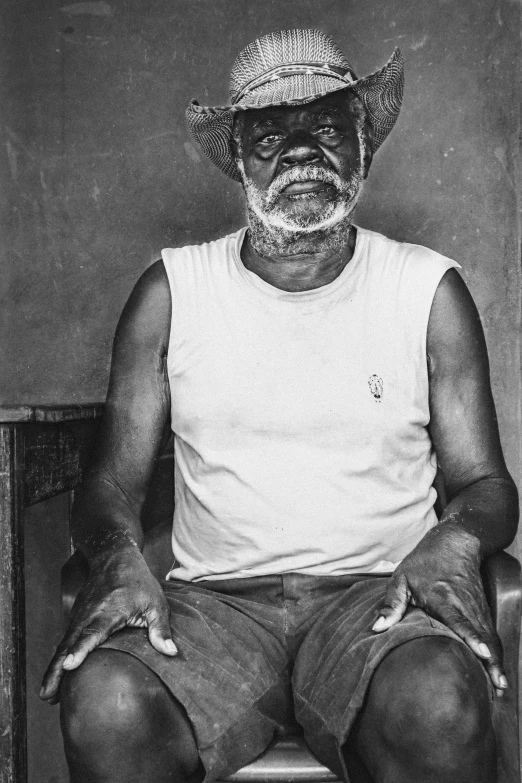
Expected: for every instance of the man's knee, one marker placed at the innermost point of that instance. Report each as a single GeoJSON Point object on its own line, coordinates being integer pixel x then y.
{"type": "Point", "coordinates": [107, 692]}
{"type": "Point", "coordinates": [114, 701]}
{"type": "Point", "coordinates": [431, 693]}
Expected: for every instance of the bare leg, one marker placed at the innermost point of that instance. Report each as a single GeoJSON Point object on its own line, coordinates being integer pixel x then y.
{"type": "Point", "coordinates": [120, 724]}
{"type": "Point", "coordinates": [427, 719]}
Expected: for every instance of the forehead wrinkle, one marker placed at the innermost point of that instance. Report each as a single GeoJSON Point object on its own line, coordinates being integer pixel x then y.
{"type": "Point", "coordinates": [330, 113]}
{"type": "Point", "coordinates": [264, 122]}
{"type": "Point", "coordinates": [316, 113]}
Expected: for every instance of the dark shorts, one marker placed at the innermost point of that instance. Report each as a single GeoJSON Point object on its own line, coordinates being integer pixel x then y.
{"type": "Point", "coordinates": [256, 654]}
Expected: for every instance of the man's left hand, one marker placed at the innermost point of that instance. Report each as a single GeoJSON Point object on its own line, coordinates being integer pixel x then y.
{"type": "Point", "coordinates": [442, 576]}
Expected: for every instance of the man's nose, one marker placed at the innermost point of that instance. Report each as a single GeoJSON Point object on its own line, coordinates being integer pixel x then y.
{"type": "Point", "coordinates": [301, 148]}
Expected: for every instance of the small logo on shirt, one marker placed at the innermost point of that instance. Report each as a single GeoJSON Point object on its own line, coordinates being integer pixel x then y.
{"type": "Point", "coordinates": [376, 387]}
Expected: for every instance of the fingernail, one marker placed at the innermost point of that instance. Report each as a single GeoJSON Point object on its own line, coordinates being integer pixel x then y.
{"type": "Point", "coordinates": [379, 624]}
{"type": "Point", "coordinates": [502, 681]}
{"type": "Point", "coordinates": [171, 647]}
{"type": "Point", "coordinates": [68, 661]}
{"type": "Point", "coordinates": [484, 650]}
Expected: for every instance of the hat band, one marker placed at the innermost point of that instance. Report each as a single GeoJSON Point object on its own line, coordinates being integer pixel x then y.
{"type": "Point", "coordinates": [295, 69]}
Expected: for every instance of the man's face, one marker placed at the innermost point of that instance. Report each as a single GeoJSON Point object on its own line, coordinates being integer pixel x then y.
{"type": "Point", "coordinates": [303, 166]}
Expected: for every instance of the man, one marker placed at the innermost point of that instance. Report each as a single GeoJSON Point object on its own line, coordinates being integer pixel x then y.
{"type": "Point", "coordinates": [310, 370]}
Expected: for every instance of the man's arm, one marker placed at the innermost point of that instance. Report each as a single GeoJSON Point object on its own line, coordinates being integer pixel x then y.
{"type": "Point", "coordinates": [120, 589]}
{"type": "Point", "coordinates": [442, 574]}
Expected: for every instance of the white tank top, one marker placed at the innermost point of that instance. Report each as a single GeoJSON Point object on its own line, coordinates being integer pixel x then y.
{"type": "Point", "coordinates": [300, 418]}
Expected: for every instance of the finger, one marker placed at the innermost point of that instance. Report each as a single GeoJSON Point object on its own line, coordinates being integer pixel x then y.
{"type": "Point", "coordinates": [482, 641]}
{"type": "Point", "coordinates": [53, 677]}
{"type": "Point", "coordinates": [91, 636]}
{"type": "Point", "coordinates": [160, 634]}
{"type": "Point", "coordinates": [54, 672]}
{"type": "Point", "coordinates": [396, 602]}
{"type": "Point", "coordinates": [63, 661]}
{"type": "Point", "coordinates": [73, 651]}
{"type": "Point", "coordinates": [496, 674]}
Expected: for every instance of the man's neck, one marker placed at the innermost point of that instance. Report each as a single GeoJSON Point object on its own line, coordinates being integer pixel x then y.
{"type": "Point", "coordinates": [303, 271]}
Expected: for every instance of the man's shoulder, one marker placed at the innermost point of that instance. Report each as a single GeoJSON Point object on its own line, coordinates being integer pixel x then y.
{"type": "Point", "coordinates": [395, 249]}
{"type": "Point", "coordinates": [406, 266]}
{"type": "Point", "coordinates": [204, 251]}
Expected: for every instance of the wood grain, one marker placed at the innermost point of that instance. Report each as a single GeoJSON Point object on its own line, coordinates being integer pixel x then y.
{"type": "Point", "coordinates": [50, 413]}
{"type": "Point", "coordinates": [13, 740]}
{"type": "Point", "coordinates": [56, 455]}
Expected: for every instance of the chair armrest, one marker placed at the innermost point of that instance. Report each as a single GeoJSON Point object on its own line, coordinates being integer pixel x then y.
{"type": "Point", "coordinates": [502, 583]}
{"type": "Point", "coordinates": [502, 578]}
{"type": "Point", "coordinates": [503, 587]}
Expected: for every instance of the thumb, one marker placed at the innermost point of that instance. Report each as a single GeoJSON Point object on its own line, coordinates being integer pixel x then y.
{"type": "Point", "coordinates": [160, 634]}
{"type": "Point", "coordinates": [396, 602]}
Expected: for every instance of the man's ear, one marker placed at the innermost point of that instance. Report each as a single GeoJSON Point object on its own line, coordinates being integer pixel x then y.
{"type": "Point", "coordinates": [235, 151]}
{"type": "Point", "coordinates": [368, 147]}
{"type": "Point", "coordinates": [235, 136]}
{"type": "Point", "coordinates": [234, 148]}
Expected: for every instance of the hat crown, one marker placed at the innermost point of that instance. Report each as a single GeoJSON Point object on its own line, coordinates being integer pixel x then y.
{"type": "Point", "coordinates": [284, 47]}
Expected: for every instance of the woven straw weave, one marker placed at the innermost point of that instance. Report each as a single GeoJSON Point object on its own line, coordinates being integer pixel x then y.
{"type": "Point", "coordinates": [286, 46]}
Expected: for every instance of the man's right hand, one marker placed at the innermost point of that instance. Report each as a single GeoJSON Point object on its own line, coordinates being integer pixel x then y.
{"type": "Point", "coordinates": [120, 592]}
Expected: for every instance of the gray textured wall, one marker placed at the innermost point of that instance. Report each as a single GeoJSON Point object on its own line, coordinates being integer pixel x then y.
{"type": "Point", "coordinates": [98, 174]}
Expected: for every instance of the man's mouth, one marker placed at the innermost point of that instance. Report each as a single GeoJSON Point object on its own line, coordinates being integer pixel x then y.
{"type": "Point", "coordinates": [310, 186]}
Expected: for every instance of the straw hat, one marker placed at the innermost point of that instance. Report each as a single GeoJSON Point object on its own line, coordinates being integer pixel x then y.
{"type": "Point", "coordinates": [291, 67]}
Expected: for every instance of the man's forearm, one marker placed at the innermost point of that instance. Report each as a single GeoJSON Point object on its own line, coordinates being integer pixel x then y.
{"type": "Point", "coordinates": [104, 520]}
{"type": "Point", "coordinates": [487, 510]}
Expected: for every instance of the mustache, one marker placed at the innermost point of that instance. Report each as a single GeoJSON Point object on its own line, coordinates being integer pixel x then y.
{"type": "Point", "coordinates": [303, 174]}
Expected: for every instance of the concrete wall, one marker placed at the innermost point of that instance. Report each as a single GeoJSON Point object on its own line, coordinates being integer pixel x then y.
{"type": "Point", "coordinates": [98, 174]}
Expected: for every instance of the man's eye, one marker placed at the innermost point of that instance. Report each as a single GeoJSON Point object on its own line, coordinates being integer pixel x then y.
{"type": "Point", "coordinates": [270, 138]}
{"type": "Point", "coordinates": [326, 130]}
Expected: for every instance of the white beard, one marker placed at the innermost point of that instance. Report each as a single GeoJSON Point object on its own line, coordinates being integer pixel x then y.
{"type": "Point", "coordinates": [276, 231]}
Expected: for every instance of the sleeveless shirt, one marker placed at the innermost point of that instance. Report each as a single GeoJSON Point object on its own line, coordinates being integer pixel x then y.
{"type": "Point", "coordinates": [300, 418]}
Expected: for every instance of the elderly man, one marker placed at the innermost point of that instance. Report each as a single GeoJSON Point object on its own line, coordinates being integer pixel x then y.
{"type": "Point", "coordinates": [313, 373]}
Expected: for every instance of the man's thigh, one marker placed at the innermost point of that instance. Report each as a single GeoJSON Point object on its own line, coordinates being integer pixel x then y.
{"type": "Point", "coordinates": [340, 657]}
{"type": "Point", "coordinates": [230, 675]}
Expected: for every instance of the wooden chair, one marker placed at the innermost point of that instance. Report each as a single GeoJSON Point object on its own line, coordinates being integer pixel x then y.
{"type": "Point", "coordinates": [43, 451]}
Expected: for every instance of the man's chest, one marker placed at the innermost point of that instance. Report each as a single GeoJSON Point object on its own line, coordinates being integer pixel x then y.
{"type": "Point", "coordinates": [332, 376]}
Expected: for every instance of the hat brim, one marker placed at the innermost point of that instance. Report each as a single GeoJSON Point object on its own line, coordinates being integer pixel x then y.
{"type": "Point", "coordinates": [381, 92]}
